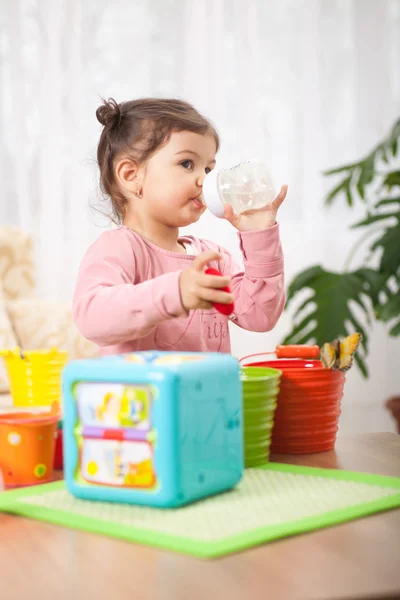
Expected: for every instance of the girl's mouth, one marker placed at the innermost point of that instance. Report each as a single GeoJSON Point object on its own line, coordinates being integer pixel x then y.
{"type": "Point", "coordinates": [198, 202]}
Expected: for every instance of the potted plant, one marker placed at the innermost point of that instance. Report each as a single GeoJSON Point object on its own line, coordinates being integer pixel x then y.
{"type": "Point", "coordinates": [327, 311]}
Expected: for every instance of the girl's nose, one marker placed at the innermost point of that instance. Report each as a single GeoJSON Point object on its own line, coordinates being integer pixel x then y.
{"type": "Point", "coordinates": [200, 180]}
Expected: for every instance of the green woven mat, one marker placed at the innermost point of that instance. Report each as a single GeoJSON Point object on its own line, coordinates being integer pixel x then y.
{"type": "Point", "coordinates": [271, 502]}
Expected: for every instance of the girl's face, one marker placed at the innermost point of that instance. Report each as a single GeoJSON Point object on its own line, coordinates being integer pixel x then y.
{"type": "Point", "coordinates": [172, 179]}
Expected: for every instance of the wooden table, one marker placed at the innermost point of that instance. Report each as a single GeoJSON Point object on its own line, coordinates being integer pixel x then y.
{"type": "Point", "coordinates": [357, 559]}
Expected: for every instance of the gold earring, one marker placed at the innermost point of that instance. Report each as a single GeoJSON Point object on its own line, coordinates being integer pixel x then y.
{"type": "Point", "coordinates": [139, 194]}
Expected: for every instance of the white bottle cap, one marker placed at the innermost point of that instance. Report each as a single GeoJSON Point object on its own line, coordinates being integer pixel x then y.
{"type": "Point", "coordinates": [211, 195]}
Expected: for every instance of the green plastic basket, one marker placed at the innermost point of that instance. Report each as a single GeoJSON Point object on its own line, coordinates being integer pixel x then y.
{"type": "Point", "coordinates": [260, 392]}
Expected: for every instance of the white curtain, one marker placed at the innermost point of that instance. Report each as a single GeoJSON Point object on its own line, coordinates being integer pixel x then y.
{"type": "Point", "coordinates": [302, 84]}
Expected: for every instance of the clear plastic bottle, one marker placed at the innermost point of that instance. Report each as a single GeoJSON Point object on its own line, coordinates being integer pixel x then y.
{"type": "Point", "coordinates": [246, 186]}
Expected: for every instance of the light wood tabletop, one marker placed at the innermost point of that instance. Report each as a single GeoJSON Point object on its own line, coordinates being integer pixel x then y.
{"type": "Point", "coordinates": [360, 559]}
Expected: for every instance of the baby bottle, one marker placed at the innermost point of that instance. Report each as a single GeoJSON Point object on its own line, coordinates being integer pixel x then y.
{"type": "Point", "coordinates": [246, 186]}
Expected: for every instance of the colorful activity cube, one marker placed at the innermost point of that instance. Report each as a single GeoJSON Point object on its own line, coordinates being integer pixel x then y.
{"type": "Point", "coordinates": [155, 428]}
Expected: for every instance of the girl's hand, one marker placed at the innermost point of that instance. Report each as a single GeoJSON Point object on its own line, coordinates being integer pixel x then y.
{"type": "Point", "coordinates": [199, 290]}
{"type": "Point", "coordinates": [260, 218]}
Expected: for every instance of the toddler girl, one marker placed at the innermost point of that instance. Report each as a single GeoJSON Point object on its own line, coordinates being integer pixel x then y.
{"type": "Point", "coordinates": [142, 286]}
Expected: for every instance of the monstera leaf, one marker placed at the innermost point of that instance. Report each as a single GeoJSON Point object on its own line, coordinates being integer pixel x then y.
{"type": "Point", "coordinates": [329, 311]}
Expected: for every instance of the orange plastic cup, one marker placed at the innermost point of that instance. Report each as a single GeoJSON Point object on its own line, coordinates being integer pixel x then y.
{"type": "Point", "coordinates": [27, 445]}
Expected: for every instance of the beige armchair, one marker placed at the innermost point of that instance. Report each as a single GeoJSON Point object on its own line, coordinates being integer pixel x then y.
{"type": "Point", "coordinates": [26, 320]}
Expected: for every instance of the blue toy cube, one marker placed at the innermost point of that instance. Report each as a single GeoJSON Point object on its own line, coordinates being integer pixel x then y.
{"type": "Point", "coordinates": [155, 428]}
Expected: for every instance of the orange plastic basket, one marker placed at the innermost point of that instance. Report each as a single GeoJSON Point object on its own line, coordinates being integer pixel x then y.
{"type": "Point", "coordinates": [27, 445]}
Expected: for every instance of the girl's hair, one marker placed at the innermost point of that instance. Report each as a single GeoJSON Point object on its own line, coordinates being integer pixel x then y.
{"type": "Point", "coordinates": [139, 128]}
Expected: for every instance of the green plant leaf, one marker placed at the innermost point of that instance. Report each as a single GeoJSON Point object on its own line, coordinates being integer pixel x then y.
{"type": "Point", "coordinates": [390, 309]}
{"type": "Point", "coordinates": [302, 280]}
{"type": "Point", "coordinates": [386, 201]}
{"type": "Point", "coordinates": [360, 188]}
{"type": "Point", "coordinates": [395, 134]}
{"type": "Point", "coordinates": [375, 218]}
{"type": "Point", "coordinates": [373, 283]}
{"type": "Point", "coordinates": [330, 313]}
{"type": "Point", "coordinates": [384, 295]}
{"type": "Point", "coordinates": [341, 169]}
{"type": "Point", "coordinates": [386, 154]}
{"type": "Point", "coordinates": [394, 146]}
{"type": "Point", "coordinates": [391, 144]}
{"type": "Point", "coordinates": [367, 169]}
{"type": "Point", "coordinates": [341, 187]}
{"type": "Point", "coordinates": [349, 198]}
{"type": "Point", "coordinates": [395, 331]}
{"type": "Point", "coordinates": [390, 244]}
{"type": "Point", "coordinates": [392, 179]}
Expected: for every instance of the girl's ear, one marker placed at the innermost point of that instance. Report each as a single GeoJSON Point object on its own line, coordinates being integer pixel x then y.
{"type": "Point", "coordinates": [128, 175]}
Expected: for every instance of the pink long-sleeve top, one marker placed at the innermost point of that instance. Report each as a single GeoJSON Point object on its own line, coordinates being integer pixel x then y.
{"type": "Point", "coordinates": [127, 296]}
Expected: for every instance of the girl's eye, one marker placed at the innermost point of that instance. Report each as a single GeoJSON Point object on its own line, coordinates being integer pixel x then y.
{"type": "Point", "coordinates": [187, 164]}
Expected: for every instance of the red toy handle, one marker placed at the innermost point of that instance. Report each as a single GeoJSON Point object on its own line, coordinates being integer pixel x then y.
{"type": "Point", "coordinates": [291, 351]}
{"type": "Point", "coordinates": [224, 309]}
{"type": "Point", "coordinates": [297, 351]}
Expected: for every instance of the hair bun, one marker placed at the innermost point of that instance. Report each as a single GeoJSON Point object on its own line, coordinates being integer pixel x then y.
{"type": "Point", "coordinates": [109, 113]}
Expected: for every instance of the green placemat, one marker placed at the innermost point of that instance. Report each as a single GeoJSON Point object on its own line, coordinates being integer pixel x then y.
{"type": "Point", "coordinates": [271, 502]}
